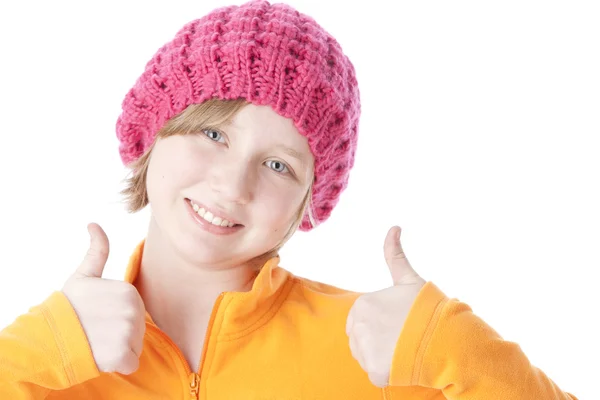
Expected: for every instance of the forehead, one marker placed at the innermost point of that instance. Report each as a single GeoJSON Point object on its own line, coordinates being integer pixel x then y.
{"type": "Point", "coordinates": [265, 124]}
{"type": "Point", "coordinates": [253, 117]}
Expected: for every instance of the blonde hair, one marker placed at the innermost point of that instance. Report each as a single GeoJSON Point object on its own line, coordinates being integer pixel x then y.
{"type": "Point", "coordinates": [209, 114]}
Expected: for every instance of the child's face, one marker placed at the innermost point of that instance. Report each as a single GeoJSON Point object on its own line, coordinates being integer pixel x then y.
{"type": "Point", "coordinates": [241, 169]}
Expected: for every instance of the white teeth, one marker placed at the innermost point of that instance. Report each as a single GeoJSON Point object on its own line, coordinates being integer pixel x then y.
{"type": "Point", "coordinates": [208, 216]}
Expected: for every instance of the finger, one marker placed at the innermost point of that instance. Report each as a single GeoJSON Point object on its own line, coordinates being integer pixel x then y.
{"type": "Point", "coordinates": [97, 254]}
{"type": "Point", "coordinates": [129, 364]}
{"type": "Point", "coordinates": [356, 351]}
{"type": "Point", "coordinates": [378, 380]}
{"type": "Point", "coordinates": [401, 270]}
{"type": "Point", "coordinates": [350, 321]}
{"type": "Point", "coordinates": [141, 305]}
{"type": "Point", "coordinates": [137, 342]}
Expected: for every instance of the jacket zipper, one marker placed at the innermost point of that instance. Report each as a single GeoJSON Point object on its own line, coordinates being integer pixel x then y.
{"type": "Point", "coordinates": [194, 385]}
{"type": "Point", "coordinates": [194, 378]}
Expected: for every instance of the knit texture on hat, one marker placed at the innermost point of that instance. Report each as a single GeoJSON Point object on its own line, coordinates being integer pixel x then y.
{"type": "Point", "coordinates": [269, 54]}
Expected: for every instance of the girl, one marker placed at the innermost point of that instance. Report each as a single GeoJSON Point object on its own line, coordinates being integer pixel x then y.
{"type": "Point", "coordinates": [241, 130]}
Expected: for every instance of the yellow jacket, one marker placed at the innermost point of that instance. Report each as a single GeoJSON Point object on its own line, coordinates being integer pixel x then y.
{"type": "Point", "coordinates": [285, 339]}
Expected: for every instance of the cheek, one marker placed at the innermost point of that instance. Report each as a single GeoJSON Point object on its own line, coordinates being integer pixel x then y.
{"type": "Point", "coordinates": [186, 169]}
{"type": "Point", "coordinates": [279, 208]}
{"type": "Point", "coordinates": [168, 175]}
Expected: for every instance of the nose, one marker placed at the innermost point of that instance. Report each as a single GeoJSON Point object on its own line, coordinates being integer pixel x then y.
{"type": "Point", "coordinates": [232, 180]}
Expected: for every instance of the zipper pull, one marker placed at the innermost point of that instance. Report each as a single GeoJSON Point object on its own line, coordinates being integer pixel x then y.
{"type": "Point", "coordinates": [194, 386]}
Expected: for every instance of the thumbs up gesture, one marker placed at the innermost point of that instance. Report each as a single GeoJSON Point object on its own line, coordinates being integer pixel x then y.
{"type": "Point", "coordinates": [111, 312]}
{"type": "Point", "coordinates": [376, 319]}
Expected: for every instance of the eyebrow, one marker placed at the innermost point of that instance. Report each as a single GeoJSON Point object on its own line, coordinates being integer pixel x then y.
{"type": "Point", "coordinates": [293, 153]}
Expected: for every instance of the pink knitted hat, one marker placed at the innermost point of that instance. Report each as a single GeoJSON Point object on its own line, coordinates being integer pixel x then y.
{"type": "Point", "coordinates": [269, 55]}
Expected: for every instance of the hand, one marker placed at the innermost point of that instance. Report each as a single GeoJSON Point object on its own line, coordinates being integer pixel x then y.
{"type": "Point", "coordinates": [376, 319]}
{"type": "Point", "coordinates": [111, 312]}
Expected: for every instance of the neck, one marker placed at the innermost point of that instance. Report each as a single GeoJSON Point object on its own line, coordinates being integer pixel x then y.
{"type": "Point", "coordinates": [175, 289]}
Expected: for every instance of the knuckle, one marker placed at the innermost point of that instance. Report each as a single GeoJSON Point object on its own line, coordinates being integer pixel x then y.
{"type": "Point", "coordinates": [127, 291]}
{"type": "Point", "coordinates": [121, 356]}
{"type": "Point", "coordinates": [135, 364]}
{"type": "Point", "coordinates": [129, 315]}
{"type": "Point", "coordinates": [378, 379]}
{"type": "Point", "coordinates": [97, 252]}
{"type": "Point", "coordinates": [371, 366]}
{"type": "Point", "coordinates": [128, 328]}
{"type": "Point", "coordinates": [398, 256]}
{"type": "Point", "coordinates": [128, 364]}
{"type": "Point", "coordinates": [361, 305]}
{"type": "Point", "coordinates": [139, 344]}
{"type": "Point", "coordinates": [129, 294]}
{"type": "Point", "coordinates": [132, 295]}
{"type": "Point", "coordinates": [368, 301]}
{"type": "Point", "coordinates": [113, 363]}
{"type": "Point", "coordinates": [361, 329]}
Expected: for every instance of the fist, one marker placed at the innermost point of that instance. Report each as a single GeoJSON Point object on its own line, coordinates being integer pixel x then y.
{"type": "Point", "coordinates": [376, 319]}
{"type": "Point", "coordinates": [111, 312]}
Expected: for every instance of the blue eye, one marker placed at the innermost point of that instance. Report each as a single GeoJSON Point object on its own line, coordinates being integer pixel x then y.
{"type": "Point", "coordinates": [213, 134]}
{"type": "Point", "coordinates": [280, 167]}
{"type": "Point", "coordinates": [216, 136]}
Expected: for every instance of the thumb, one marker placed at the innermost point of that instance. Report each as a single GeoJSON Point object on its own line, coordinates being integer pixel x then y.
{"type": "Point", "coordinates": [401, 270]}
{"type": "Point", "coordinates": [96, 256]}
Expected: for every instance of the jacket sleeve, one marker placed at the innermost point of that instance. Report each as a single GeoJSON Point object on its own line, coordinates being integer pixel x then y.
{"type": "Point", "coordinates": [444, 345]}
{"type": "Point", "coordinates": [43, 350]}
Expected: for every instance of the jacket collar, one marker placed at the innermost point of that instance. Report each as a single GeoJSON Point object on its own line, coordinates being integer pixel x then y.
{"type": "Point", "coordinates": [239, 310]}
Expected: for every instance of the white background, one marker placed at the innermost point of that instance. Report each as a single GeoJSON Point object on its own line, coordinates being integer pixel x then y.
{"type": "Point", "coordinates": [479, 137]}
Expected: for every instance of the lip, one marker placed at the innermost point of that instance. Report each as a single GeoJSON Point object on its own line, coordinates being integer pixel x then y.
{"type": "Point", "coordinates": [207, 226]}
{"type": "Point", "coordinates": [215, 212]}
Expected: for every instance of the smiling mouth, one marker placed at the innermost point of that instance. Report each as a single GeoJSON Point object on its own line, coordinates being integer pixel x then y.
{"type": "Point", "coordinates": [211, 218]}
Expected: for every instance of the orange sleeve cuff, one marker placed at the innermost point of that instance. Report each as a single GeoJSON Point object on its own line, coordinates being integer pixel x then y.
{"type": "Point", "coordinates": [418, 328]}
{"type": "Point", "coordinates": [77, 358]}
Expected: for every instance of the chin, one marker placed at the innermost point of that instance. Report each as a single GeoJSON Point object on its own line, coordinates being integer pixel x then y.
{"type": "Point", "coordinates": [200, 251]}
